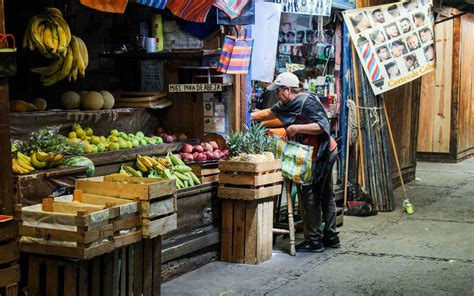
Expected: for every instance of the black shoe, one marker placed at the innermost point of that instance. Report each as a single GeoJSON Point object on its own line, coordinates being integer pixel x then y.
{"type": "Point", "coordinates": [332, 242]}
{"type": "Point", "coordinates": [310, 246]}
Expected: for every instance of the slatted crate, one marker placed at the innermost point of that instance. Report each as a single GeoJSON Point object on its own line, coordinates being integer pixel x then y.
{"type": "Point", "coordinates": [157, 199]}
{"type": "Point", "coordinates": [65, 229]}
{"type": "Point", "coordinates": [124, 215]}
{"type": "Point", "coordinates": [131, 270]}
{"type": "Point", "coordinates": [248, 191]}
{"type": "Point", "coordinates": [9, 267]}
{"type": "Point", "coordinates": [206, 173]}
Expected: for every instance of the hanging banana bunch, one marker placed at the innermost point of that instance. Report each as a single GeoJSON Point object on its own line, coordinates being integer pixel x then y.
{"type": "Point", "coordinates": [49, 34]}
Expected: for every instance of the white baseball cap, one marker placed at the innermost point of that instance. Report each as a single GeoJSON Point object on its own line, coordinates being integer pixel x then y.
{"type": "Point", "coordinates": [285, 79]}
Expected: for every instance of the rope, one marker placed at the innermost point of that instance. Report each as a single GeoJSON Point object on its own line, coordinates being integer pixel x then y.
{"type": "Point", "coordinates": [352, 121]}
{"type": "Point", "coordinates": [373, 114]}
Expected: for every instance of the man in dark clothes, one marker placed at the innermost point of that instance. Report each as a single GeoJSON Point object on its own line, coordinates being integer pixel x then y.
{"type": "Point", "coordinates": [306, 122]}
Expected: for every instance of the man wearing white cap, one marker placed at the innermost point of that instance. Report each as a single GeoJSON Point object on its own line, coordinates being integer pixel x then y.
{"type": "Point", "coordinates": [306, 121]}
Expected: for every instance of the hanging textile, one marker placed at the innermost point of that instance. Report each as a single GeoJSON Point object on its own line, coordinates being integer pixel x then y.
{"type": "Point", "coordinates": [235, 55]}
{"type": "Point", "coordinates": [233, 8]}
{"type": "Point", "coordinates": [117, 6]}
{"type": "Point", "coordinates": [191, 10]}
{"type": "Point", "coordinates": [246, 17]}
{"type": "Point", "coordinates": [159, 4]}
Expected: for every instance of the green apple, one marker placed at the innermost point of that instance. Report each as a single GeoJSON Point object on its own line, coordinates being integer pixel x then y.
{"type": "Point", "coordinates": [151, 141]}
{"type": "Point", "coordinates": [113, 139]}
{"type": "Point", "coordinates": [94, 149]}
{"type": "Point", "coordinates": [123, 135]}
{"type": "Point", "coordinates": [76, 126]}
{"type": "Point", "coordinates": [143, 142]}
{"type": "Point", "coordinates": [122, 144]}
{"type": "Point", "coordinates": [114, 146]}
{"type": "Point", "coordinates": [129, 144]}
{"type": "Point", "coordinates": [131, 136]}
{"type": "Point", "coordinates": [103, 139]}
{"type": "Point", "coordinates": [100, 147]}
{"type": "Point", "coordinates": [114, 132]}
{"type": "Point", "coordinates": [80, 133]}
{"type": "Point", "coordinates": [89, 132]}
{"type": "Point", "coordinates": [139, 135]}
{"type": "Point", "coordinates": [95, 140]}
{"type": "Point", "coordinates": [135, 142]}
{"type": "Point", "coordinates": [88, 148]}
{"type": "Point", "coordinates": [158, 140]}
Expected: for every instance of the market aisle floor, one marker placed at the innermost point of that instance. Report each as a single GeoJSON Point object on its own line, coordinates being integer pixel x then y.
{"type": "Point", "coordinates": [428, 253]}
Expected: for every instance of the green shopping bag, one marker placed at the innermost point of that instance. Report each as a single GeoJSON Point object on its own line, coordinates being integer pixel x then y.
{"type": "Point", "coordinates": [296, 159]}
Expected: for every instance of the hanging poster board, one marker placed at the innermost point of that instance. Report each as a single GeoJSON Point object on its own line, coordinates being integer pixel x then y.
{"type": "Point", "coordinates": [394, 42]}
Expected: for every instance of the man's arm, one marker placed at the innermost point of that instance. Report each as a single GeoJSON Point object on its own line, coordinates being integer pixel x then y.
{"type": "Point", "coordinates": [262, 115]}
{"type": "Point", "coordinates": [309, 129]}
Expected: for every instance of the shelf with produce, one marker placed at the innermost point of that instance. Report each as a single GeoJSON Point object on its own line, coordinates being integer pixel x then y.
{"type": "Point", "coordinates": [172, 54]}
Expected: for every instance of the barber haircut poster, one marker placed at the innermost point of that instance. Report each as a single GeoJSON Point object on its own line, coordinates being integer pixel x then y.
{"type": "Point", "coordinates": [312, 7]}
{"type": "Point", "coordinates": [394, 42]}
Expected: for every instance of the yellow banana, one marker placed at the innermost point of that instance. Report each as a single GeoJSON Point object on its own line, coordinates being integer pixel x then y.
{"type": "Point", "coordinates": [17, 168]}
{"type": "Point", "coordinates": [36, 163]}
{"type": "Point", "coordinates": [23, 157]}
{"type": "Point", "coordinates": [164, 162]}
{"type": "Point", "coordinates": [43, 156]}
{"type": "Point", "coordinates": [48, 39]}
{"type": "Point", "coordinates": [58, 157]}
{"type": "Point", "coordinates": [51, 69]}
{"type": "Point", "coordinates": [84, 54]}
{"type": "Point", "coordinates": [27, 166]}
{"type": "Point", "coordinates": [54, 11]}
{"type": "Point", "coordinates": [78, 55]}
{"type": "Point", "coordinates": [141, 166]}
{"type": "Point", "coordinates": [151, 159]}
{"type": "Point", "coordinates": [62, 48]}
{"type": "Point", "coordinates": [160, 167]}
{"type": "Point", "coordinates": [37, 39]}
{"type": "Point", "coordinates": [63, 72]}
{"type": "Point", "coordinates": [145, 161]}
{"type": "Point", "coordinates": [65, 27]}
{"type": "Point", "coordinates": [55, 37]}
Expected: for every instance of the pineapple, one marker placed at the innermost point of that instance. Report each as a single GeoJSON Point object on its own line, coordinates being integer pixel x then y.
{"type": "Point", "coordinates": [251, 145]}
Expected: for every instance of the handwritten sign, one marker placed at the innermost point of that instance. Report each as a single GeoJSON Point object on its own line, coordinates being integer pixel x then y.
{"type": "Point", "coordinates": [195, 87]}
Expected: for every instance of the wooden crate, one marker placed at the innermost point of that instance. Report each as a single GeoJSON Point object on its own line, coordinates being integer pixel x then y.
{"type": "Point", "coordinates": [122, 186]}
{"type": "Point", "coordinates": [65, 229]}
{"type": "Point", "coordinates": [124, 215]}
{"type": "Point", "coordinates": [207, 173]}
{"type": "Point", "coordinates": [131, 270]}
{"type": "Point", "coordinates": [157, 199]}
{"type": "Point", "coordinates": [248, 190]}
{"type": "Point", "coordinates": [9, 267]}
{"type": "Point", "coordinates": [247, 230]}
{"type": "Point", "coordinates": [249, 181]}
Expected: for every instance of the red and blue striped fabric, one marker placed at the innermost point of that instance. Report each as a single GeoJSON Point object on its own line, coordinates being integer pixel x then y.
{"type": "Point", "coordinates": [235, 55]}
{"type": "Point", "coordinates": [191, 10]}
{"type": "Point", "coordinates": [233, 8]}
{"type": "Point", "coordinates": [160, 4]}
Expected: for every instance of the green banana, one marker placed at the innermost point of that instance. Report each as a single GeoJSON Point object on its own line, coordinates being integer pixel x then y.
{"type": "Point", "coordinates": [195, 178]}
{"type": "Point", "coordinates": [182, 168]}
{"type": "Point", "coordinates": [176, 160]}
{"type": "Point", "coordinates": [190, 179]}
{"type": "Point", "coordinates": [180, 176]}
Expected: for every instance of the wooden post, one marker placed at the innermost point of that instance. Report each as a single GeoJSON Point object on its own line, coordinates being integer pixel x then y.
{"type": "Point", "coordinates": [6, 181]}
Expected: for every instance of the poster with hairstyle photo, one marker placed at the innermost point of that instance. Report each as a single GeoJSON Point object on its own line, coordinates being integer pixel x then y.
{"type": "Point", "coordinates": [393, 11]}
{"type": "Point", "coordinates": [429, 52]}
{"type": "Point", "coordinates": [411, 62]}
{"type": "Point", "coordinates": [426, 35]}
{"type": "Point", "coordinates": [392, 70]}
{"type": "Point", "coordinates": [413, 42]}
{"type": "Point", "coordinates": [419, 19]}
{"type": "Point", "coordinates": [377, 36]}
{"type": "Point", "coordinates": [392, 30]}
{"type": "Point", "coordinates": [383, 53]}
{"type": "Point", "coordinates": [310, 36]}
{"type": "Point", "coordinates": [406, 25]}
{"type": "Point", "coordinates": [290, 37]}
{"type": "Point", "coordinates": [410, 6]}
{"type": "Point", "coordinates": [398, 48]}
{"type": "Point", "coordinates": [378, 16]}
{"type": "Point", "coordinates": [360, 22]}
{"type": "Point", "coordinates": [300, 36]}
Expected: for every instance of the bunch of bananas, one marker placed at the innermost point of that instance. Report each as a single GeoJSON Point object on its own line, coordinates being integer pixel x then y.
{"type": "Point", "coordinates": [168, 167]}
{"type": "Point", "coordinates": [42, 160]}
{"type": "Point", "coordinates": [48, 33]}
{"type": "Point", "coordinates": [75, 62]}
{"type": "Point", "coordinates": [21, 164]}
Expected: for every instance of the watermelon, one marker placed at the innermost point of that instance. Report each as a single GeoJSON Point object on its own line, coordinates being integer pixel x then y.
{"type": "Point", "coordinates": [81, 161]}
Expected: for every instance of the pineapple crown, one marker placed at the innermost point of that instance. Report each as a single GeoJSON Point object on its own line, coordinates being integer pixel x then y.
{"type": "Point", "coordinates": [253, 139]}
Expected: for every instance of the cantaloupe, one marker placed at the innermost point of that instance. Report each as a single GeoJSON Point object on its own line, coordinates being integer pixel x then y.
{"type": "Point", "coordinates": [70, 100]}
{"type": "Point", "coordinates": [92, 101]}
{"type": "Point", "coordinates": [109, 100]}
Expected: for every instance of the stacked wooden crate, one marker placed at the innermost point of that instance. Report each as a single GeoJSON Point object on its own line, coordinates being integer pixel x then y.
{"type": "Point", "coordinates": [157, 199]}
{"type": "Point", "coordinates": [248, 190]}
{"type": "Point", "coordinates": [9, 255]}
{"type": "Point", "coordinates": [207, 173]}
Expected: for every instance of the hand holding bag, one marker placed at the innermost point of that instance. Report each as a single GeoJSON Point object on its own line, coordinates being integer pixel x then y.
{"type": "Point", "coordinates": [296, 159]}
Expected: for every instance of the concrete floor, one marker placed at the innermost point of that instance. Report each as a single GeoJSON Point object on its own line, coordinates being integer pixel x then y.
{"type": "Point", "coordinates": [428, 253]}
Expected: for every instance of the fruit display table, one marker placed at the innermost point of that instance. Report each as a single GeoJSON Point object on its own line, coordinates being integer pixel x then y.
{"type": "Point", "coordinates": [124, 119]}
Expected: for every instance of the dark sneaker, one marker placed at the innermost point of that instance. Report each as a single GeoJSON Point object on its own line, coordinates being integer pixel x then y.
{"type": "Point", "coordinates": [310, 246]}
{"type": "Point", "coordinates": [332, 242]}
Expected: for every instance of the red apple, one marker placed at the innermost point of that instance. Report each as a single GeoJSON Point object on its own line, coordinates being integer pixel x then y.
{"type": "Point", "coordinates": [195, 154]}
{"type": "Point", "coordinates": [207, 146]}
{"type": "Point", "coordinates": [226, 152]}
{"type": "Point", "coordinates": [201, 157]}
{"type": "Point", "coordinates": [160, 130]}
{"type": "Point", "coordinates": [217, 154]}
{"type": "Point", "coordinates": [188, 148]}
{"type": "Point", "coordinates": [198, 148]}
{"type": "Point", "coordinates": [187, 157]}
{"type": "Point", "coordinates": [214, 145]}
{"type": "Point", "coordinates": [169, 139]}
{"type": "Point", "coordinates": [209, 155]}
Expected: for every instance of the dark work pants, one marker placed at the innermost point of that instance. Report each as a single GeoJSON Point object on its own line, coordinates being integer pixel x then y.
{"type": "Point", "coordinates": [318, 200]}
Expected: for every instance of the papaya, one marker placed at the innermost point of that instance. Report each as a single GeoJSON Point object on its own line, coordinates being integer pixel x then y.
{"type": "Point", "coordinates": [18, 106]}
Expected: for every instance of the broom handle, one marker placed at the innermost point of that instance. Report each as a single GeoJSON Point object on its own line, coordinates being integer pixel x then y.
{"type": "Point", "coordinates": [394, 151]}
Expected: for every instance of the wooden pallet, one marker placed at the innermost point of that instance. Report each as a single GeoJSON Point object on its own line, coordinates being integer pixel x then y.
{"type": "Point", "coordinates": [206, 173]}
{"type": "Point", "coordinates": [248, 190]}
{"type": "Point", "coordinates": [131, 270]}
{"type": "Point", "coordinates": [9, 267]}
{"type": "Point", "coordinates": [124, 215]}
{"type": "Point", "coordinates": [65, 229]}
{"type": "Point", "coordinates": [157, 199]}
